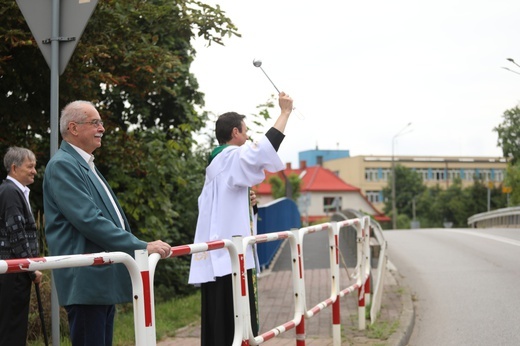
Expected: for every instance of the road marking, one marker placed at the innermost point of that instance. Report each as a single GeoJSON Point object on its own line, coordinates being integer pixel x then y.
{"type": "Point", "coordinates": [487, 236]}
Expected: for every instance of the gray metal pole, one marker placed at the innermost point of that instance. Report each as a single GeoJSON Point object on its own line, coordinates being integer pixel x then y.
{"type": "Point", "coordinates": [55, 74]}
{"type": "Point", "coordinates": [394, 211]}
{"type": "Point", "coordinates": [55, 87]}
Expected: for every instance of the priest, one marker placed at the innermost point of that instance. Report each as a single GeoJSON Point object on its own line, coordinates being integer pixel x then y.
{"type": "Point", "coordinates": [225, 211]}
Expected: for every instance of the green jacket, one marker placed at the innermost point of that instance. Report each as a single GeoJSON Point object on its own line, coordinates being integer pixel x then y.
{"type": "Point", "coordinates": [80, 219]}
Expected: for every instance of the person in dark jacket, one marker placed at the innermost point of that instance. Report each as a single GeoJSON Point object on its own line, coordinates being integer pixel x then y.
{"type": "Point", "coordinates": [18, 239]}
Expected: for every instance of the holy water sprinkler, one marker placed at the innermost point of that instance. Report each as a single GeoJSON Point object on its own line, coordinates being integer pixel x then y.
{"type": "Point", "coordinates": [258, 63]}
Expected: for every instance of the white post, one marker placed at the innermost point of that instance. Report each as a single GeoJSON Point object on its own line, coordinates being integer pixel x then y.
{"type": "Point", "coordinates": [240, 292]}
{"type": "Point", "coordinates": [143, 320]}
{"type": "Point", "coordinates": [335, 277]}
{"type": "Point", "coordinates": [362, 268]}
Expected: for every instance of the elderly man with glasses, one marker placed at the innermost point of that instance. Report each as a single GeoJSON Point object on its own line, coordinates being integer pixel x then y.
{"type": "Point", "coordinates": [83, 216]}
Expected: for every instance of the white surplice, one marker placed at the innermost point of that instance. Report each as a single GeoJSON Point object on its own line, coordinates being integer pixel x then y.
{"type": "Point", "coordinates": [224, 204]}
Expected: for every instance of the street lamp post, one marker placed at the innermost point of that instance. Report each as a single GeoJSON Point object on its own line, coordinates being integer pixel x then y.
{"type": "Point", "coordinates": [394, 211]}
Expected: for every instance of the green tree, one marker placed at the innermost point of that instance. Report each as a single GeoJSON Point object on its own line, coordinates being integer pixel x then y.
{"type": "Point", "coordinates": [408, 185]}
{"type": "Point", "coordinates": [428, 210]}
{"type": "Point", "coordinates": [476, 198]}
{"type": "Point", "coordinates": [133, 61]}
{"type": "Point", "coordinates": [509, 134]}
{"type": "Point", "coordinates": [279, 186]}
{"type": "Point", "coordinates": [509, 140]}
{"type": "Point", "coordinates": [512, 180]}
{"type": "Point", "coordinates": [452, 204]}
{"type": "Point", "coordinates": [456, 204]}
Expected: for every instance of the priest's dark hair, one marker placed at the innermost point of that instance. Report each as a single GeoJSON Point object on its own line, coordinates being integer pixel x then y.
{"type": "Point", "coordinates": [225, 125]}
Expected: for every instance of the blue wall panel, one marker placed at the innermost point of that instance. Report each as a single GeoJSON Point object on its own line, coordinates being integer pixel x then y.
{"type": "Point", "coordinates": [279, 215]}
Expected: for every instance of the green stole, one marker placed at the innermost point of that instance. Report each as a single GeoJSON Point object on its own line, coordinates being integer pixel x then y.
{"type": "Point", "coordinates": [254, 276]}
{"type": "Point", "coordinates": [216, 151]}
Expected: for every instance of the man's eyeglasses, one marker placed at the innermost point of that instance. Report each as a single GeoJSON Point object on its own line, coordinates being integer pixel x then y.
{"type": "Point", "coordinates": [95, 122]}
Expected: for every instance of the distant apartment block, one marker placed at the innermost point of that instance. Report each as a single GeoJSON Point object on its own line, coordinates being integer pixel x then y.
{"type": "Point", "coordinates": [373, 173]}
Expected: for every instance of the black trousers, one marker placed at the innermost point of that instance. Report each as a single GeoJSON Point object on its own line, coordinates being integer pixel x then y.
{"type": "Point", "coordinates": [218, 321]}
{"type": "Point", "coordinates": [15, 296]}
{"type": "Point", "coordinates": [91, 325]}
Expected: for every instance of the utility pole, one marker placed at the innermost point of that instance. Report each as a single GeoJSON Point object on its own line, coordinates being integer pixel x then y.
{"type": "Point", "coordinates": [57, 27]}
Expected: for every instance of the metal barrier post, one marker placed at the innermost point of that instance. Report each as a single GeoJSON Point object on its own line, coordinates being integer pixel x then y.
{"type": "Point", "coordinates": [300, 332]}
{"type": "Point", "coordinates": [143, 311]}
{"type": "Point", "coordinates": [380, 275]}
{"type": "Point", "coordinates": [153, 260]}
{"type": "Point", "coordinates": [361, 289]}
{"type": "Point", "coordinates": [368, 268]}
{"type": "Point", "coordinates": [240, 295]}
{"type": "Point", "coordinates": [298, 272]}
{"type": "Point", "coordinates": [334, 270]}
{"type": "Point", "coordinates": [298, 286]}
{"type": "Point", "coordinates": [183, 250]}
{"type": "Point", "coordinates": [364, 290]}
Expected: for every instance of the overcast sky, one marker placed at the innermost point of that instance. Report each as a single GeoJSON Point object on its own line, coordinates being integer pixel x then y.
{"type": "Point", "coordinates": [360, 71]}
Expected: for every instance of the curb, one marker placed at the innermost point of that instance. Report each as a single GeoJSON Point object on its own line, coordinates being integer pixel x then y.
{"type": "Point", "coordinates": [401, 337]}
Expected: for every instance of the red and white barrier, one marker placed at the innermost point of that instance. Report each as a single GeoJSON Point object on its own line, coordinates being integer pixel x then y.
{"type": "Point", "coordinates": [142, 271]}
{"type": "Point", "coordinates": [301, 312]}
{"type": "Point", "coordinates": [140, 284]}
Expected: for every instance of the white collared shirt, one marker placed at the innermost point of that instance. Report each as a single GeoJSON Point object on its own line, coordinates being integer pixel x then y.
{"type": "Point", "coordinates": [90, 161]}
{"type": "Point", "coordinates": [25, 190]}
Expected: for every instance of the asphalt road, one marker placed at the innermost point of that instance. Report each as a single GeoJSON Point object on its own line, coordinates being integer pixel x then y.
{"type": "Point", "coordinates": [466, 284]}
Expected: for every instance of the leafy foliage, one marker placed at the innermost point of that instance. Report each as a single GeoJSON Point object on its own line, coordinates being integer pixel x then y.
{"type": "Point", "coordinates": [133, 61]}
{"type": "Point", "coordinates": [408, 185]}
{"type": "Point", "coordinates": [434, 205]}
{"type": "Point", "coordinates": [509, 140]}
{"type": "Point", "coordinates": [279, 186]}
{"type": "Point", "coordinates": [509, 134]}
{"type": "Point", "coordinates": [512, 180]}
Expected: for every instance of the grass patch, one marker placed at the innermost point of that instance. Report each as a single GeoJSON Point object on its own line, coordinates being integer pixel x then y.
{"type": "Point", "coordinates": [175, 314]}
{"type": "Point", "coordinates": [381, 330]}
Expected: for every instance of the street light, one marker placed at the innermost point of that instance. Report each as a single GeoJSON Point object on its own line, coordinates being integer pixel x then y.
{"type": "Point", "coordinates": [394, 211]}
{"type": "Point", "coordinates": [515, 63]}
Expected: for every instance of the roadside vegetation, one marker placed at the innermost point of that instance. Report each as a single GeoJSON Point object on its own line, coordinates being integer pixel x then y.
{"type": "Point", "coordinates": [434, 206]}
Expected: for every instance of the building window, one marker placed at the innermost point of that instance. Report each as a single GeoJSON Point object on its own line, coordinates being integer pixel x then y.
{"type": "Point", "coordinates": [423, 173]}
{"type": "Point", "coordinates": [386, 174]}
{"type": "Point", "coordinates": [469, 174]}
{"type": "Point", "coordinates": [453, 174]}
{"type": "Point", "coordinates": [331, 204]}
{"type": "Point", "coordinates": [371, 174]}
{"type": "Point", "coordinates": [373, 196]}
{"type": "Point", "coordinates": [484, 174]}
{"type": "Point", "coordinates": [438, 174]}
{"type": "Point", "coordinates": [499, 175]}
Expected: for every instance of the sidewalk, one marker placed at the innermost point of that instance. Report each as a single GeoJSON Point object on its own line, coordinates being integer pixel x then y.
{"type": "Point", "coordinates": [276, 308]}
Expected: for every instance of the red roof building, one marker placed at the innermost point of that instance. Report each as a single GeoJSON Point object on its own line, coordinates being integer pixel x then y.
{"type": "Point", "coordinates": [321, 194]}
